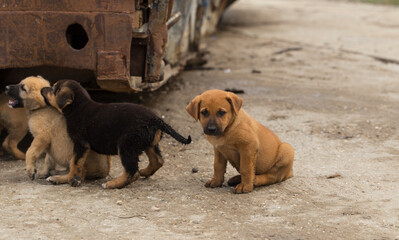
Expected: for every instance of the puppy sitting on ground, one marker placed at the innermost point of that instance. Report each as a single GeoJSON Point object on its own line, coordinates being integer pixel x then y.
{"type": "Point", "coordinates": [115, 128]}
{"type": "Point", "coordinates": [255, 151]}
{"type": "Point", "coordinates": [48, 127]}
{"type": "Point", "coordinates": [16, 123]}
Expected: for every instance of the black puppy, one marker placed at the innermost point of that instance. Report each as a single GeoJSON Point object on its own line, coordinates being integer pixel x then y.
{"type": "Point", "coordinates": [115, 128]}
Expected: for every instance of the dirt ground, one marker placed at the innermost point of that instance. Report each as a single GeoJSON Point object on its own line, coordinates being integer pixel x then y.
{"type": "Point", "coordinates": [321, 74]}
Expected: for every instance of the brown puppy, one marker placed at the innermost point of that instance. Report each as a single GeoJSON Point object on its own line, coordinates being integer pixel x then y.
{"type": "Point", "coordinates": [255, 151]}
{"type": "Point", "coordinates": [48, 127]}
{"type": "Point", "coordinates": [16, 123]}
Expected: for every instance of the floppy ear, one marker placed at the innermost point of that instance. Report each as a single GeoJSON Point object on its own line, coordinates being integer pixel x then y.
{"type": "Point", "coordinates": [235, 102]}
{"type": "Point", "coordinates": [64, 98]}
{"type": "Point", "coordinates": [193, 107]}
{"type": "Point", "coordinates": [45, 92]}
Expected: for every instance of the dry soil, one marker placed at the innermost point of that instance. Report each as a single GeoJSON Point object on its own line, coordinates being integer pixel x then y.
{"type": "Point", "coordinates": [323, 75]}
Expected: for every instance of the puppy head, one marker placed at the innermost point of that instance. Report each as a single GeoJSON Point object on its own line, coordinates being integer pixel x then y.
{"type": "Point", "coordinates": [60, 95]}
{"type": "Point", "coordinates": [27, 93]}
{"type": "Point", "coordinates": [215, 109]}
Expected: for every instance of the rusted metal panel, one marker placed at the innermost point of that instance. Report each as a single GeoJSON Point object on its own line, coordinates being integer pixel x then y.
{"type": "Point", "coordinates": [111, 66]}
{"type": "Point", "coordinates": [158, 33]}
{"type": "Point", "coordinates": [39, 38]}
{"type": "Point", "coordinates": [128, 45]}
{"type": "Point", "coordinates": [138, 51]}
{"type": "Point", "coordinates": [178, 35]}
{"type": "Point", "coordinates": [69, 5]}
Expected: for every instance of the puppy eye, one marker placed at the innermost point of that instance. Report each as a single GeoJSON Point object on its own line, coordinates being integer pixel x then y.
{"type": "Point", "coordinates": [22, 87]}
{"type": "Point", "coordinates": [220, 113]}
{"type": "Point", "coordinates": [205, 113]}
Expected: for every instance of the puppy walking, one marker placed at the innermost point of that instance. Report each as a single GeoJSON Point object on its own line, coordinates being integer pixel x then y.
{"type": "Point", "coordinates": [256, 152]}
{"type": "Point", "coordinates": [114, 128]}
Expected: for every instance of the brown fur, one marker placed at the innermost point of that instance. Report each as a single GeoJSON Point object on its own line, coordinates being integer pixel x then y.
{"type": "Point", "coordinates": [48, 126]}
{"type": "Point", "coordinates": [255, 151]}
{"type": "Point", "coordinates": [16, 123]}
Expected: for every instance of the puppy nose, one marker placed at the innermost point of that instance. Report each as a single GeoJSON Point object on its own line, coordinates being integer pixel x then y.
{"type": "Point", "coordinates": [211, 129]}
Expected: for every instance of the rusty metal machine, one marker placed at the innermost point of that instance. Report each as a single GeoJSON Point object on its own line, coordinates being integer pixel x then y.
{"type": "Point", "coordinates": [116, 45]}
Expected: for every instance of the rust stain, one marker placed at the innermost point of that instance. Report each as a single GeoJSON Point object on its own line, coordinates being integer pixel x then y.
{"type": "Point", "coordinates": [117, 40]}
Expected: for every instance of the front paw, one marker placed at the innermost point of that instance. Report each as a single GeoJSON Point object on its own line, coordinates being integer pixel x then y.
{"type": "Point", "coordinates": [52, 180]}
{"type": "Point", "coordinates": [57, 179]}
{"type": "Point", "coordinates": [31, 171]}
{"type": "Point", "coordinates": [75, 181]}
{"type": "Point", "coordinates": [214, 183]}
{"type": "Point", "coordinates": [243, 188]}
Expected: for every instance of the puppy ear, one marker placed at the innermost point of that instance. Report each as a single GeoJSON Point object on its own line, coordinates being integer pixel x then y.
{"type": "Point", "coordinates": [235, 102]}
{"type": "Point", "coordinates": [193, 107]}
{"type": "Point", "coordinates": [64, 98]}
{"type": "Point", "coordinates": [44, 92]}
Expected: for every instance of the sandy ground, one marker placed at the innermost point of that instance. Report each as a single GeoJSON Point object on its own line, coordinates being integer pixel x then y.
{"type": "Point", "coordinates": [326, 93]}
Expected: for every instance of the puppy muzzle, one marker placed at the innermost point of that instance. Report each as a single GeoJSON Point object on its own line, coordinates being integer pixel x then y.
{"type": "Point", "coordinates": [13, 92]}
{"type": "Point", "coordinates": [212, 130]}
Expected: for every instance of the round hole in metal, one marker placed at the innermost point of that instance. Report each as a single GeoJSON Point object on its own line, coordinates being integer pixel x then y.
{"type": "Point", "coordinates": [76, 36]}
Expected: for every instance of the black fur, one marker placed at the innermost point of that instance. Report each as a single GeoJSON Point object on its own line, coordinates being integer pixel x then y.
{"type": "Point", "coordinates": [44, 91]}
{"type": "Point", "coordinates": [13, 91]}
{"type": "Point", "coordinates": [107, 128]}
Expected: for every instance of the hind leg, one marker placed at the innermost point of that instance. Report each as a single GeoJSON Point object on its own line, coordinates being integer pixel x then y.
{"type": "Point", "coordinates": [155, 161]}
{"type": "Point", "coordinates": [125, 179]}
{"type": "Point", "coordinates": [1, 129]}
{"type": "Point", "coordinates": [12, 140]}
{"type": "Point", "coordinates": [282, 170]}
{"type": "Point", "coordinates": [49, 164]}
{"type": "Point", "coordinates": [76, 171]}
{"type": "Point", "coordinates": [130, 162]}
{"type": "Point", "coordinates": [97, 165]}
{"type": "Point", "coordinates": [5, 144]}
{"type": "Point", "coordinates": [154, 156]}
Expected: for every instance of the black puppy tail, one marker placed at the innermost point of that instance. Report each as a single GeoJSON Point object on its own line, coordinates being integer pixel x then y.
{"type": "Point", "coordinates": [164, 127]}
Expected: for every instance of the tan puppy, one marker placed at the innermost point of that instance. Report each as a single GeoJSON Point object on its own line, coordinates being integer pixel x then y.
{"type": "Point", "coordinates": [16, 123]}
{"type": "Point", "coordinates": [48, 126]}
{"type": "Point", "coordinates": [255, 151]}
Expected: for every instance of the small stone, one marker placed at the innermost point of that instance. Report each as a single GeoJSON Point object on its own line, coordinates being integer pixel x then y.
{"type": "Point", "coordinates": [154, 208]}
{"type": "Point", "coordinates": [194, 170]}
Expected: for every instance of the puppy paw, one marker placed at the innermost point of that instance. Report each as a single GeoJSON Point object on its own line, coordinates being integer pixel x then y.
{"type": "Point", "coordinates": [75, 181]}
{"type": "Point", "coordinates": [31, 172]}
{"type": "Point", "coordinates": [234, 181]}
{"type": "Point", "coordinates": [145, 173]}
{"type": "Point", "coordinates": [243, 188]}
{"type": "Point", "coordinates": [51, 180]}
{"type": "Point", "coordinates": [109, 185]}
{"type": "Point", "coordinates": [213, 183]}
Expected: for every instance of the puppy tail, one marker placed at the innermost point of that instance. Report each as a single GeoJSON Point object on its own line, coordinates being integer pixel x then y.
{"type": "Point", "coordinates": [164, 127]}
